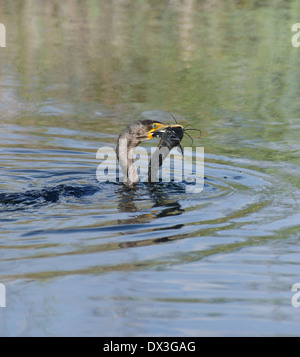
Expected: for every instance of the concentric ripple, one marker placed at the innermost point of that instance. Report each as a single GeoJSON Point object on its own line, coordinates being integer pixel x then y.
{"type": "Point", "coordinates": [58, 221]}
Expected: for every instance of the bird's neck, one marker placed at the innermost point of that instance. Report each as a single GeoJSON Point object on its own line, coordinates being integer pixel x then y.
{"type": "Point", "coordinates": [125, 152]}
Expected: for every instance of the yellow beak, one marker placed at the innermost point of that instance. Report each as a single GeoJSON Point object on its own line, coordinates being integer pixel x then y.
{"type": "Point", "coordinates": [161, 128]}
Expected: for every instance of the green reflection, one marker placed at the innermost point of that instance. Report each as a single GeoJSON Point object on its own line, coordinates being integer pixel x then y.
{"type": "Point", "coordinates": [226, 66]}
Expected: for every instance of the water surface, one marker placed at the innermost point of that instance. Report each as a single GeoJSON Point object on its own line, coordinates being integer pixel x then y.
{"type": "Point", "coordinates": [84, 258]}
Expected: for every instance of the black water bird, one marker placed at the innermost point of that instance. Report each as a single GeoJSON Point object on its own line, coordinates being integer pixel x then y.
{"type": "Point", "coordinates": [142, 130]}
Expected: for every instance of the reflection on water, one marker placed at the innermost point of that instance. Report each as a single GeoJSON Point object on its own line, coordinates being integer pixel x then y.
{"type": "Point", "coordinates": [81, 257]}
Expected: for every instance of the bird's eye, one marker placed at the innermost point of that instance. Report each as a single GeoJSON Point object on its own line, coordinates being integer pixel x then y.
{"type": "Point", "coordinates": [154, 126]}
